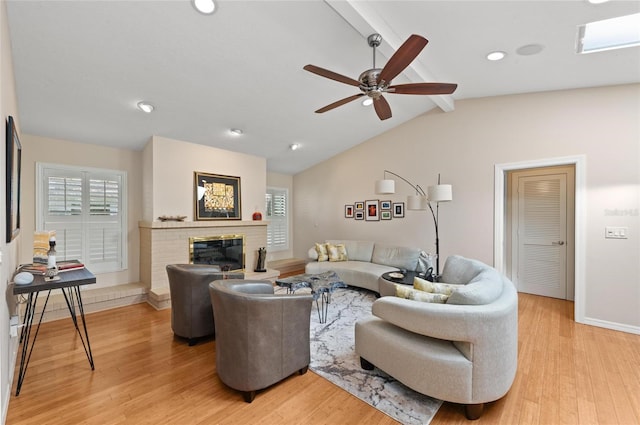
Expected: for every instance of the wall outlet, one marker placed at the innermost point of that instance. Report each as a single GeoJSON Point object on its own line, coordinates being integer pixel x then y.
{"type": "Point", "coordinates": [14, 324]}
{"type": "Point", "coordinates": [616, 232]}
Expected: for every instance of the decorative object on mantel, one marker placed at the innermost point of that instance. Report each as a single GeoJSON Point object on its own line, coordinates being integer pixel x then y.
{"type": "Point", "coordinates": [217, 197]}
{"type": "Point", "coordinates": [262, 257]}
{"type": "Point", "coordinates": [257, 215]}
{"type": "Point", "coordinates": [420, 201]}
{"type": "Point", "coordinates": [172, 217]}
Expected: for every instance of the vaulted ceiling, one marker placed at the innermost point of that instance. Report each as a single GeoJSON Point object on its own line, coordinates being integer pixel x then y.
{"type": "Point", "coordinates": [82, 66]}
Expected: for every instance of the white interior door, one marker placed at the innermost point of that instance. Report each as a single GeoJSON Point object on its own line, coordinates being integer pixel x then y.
{"type": "Point", "coordinates": [540, 232]}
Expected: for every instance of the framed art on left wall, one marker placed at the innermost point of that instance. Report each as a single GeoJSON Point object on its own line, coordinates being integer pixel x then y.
{"type": "Point", "coordinates": [13, 166]}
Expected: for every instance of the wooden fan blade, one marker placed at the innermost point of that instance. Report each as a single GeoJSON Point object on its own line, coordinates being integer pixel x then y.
{"type": "Point", "coordinates": [423, 88]}
{"type": "Point", "coordinates": [382, 108]}
{"type": "Point", "coordinates": [339, 103]}
{"type": "Point", "coordinates": [331, 75]}
{"type": "Point", "coordinates": [402, 57]}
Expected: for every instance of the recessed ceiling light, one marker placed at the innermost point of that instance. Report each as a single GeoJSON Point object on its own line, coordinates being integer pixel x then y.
{"type": "Point", "coordinates": [235, 132]}
{"type": "Point", "coordinates": [597, 1]}
{"type": "Point", "coordinates": [145, 107]}
{"type": "Point", "coordinates": [496, 56]}
{"type": "Point", "coordinates": [367, 101]}
{"type": "Point", "coordinates": [294, 146]}
{"type": "Point", "coordinates": [206, 7]}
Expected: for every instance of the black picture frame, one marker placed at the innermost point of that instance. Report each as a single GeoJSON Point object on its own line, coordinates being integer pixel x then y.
{"type": "Point", "coordinates": [217, 197]}
{"type": "Point", "coordinates": [398, 209]}
{"type": "Point", "coordinates": [13, 169]}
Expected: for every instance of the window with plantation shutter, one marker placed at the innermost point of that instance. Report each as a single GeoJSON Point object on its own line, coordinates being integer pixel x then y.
{"type": "Point", "coordinates": [86, 207]}
{"type": "Point", "coordinates": [277, 213]}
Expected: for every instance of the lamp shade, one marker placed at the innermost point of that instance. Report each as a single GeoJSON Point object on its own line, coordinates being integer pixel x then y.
{"type": "Point", "coordinates": [384, 187]}
{"type": "Point", "coordinates": [440, 193]}
{"type": "Point", "coordinates": [417, 202]}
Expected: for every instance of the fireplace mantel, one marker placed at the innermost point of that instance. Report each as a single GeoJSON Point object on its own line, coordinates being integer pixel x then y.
{"type": "Point", "coordinates": [167, 242]}
{"type": "Point", "coordinates": [198, 224]}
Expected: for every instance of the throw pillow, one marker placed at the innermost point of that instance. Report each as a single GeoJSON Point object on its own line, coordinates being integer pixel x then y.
{"type": "Point", "coordinates": [337, 252]}
{"type": "Point", "coordinates": [321, 249]}
{"type": "Point", "coordinates": [407, 292]}
{"type": "Point", "coordinates": [437, 288]}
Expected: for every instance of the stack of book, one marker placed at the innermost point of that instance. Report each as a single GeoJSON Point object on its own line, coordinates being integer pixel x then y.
{"type": "Point", "coordinates": [41, 269]}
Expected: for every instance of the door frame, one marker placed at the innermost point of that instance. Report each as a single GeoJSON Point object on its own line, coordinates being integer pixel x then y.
{"type": "Point", "coordinates": [500, 220]}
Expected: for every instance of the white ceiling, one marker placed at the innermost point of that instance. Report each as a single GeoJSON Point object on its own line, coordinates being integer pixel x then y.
{"type": "Point", "coordinates": [81, 67]}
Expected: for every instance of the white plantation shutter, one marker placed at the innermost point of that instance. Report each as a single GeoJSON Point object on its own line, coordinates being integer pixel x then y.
{"type": "Point", "coordinates": [86, 209]}
{"type": "Point", "coordinates": [277, 213]}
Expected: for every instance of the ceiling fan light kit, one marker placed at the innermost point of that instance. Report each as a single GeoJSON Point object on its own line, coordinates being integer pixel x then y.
{"type": "Point", "coordinates": [374, 82]}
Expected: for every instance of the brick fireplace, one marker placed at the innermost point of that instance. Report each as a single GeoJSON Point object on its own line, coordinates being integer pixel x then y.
{"type": "Point", "coordinates": [167, 242]}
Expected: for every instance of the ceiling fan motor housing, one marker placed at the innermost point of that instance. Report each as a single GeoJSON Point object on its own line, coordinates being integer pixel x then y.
{"type": "Point", "coordinates": [369, 82]}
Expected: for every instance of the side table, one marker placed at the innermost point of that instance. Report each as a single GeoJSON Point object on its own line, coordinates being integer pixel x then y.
{"type": "Point", "coordinates": [69, 283]}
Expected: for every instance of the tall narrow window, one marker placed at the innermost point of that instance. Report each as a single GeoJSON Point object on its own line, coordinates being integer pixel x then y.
{"type": "Point", "coordinates": [276, 209]}
{"type": "Point", "coordinates": [86, 207]}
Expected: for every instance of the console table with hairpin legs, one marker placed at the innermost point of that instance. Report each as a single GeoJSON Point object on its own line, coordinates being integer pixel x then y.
{"type": "Point", "coordinates": [322, 285]}
{"type": "Point", "coordinates": [69, 282]}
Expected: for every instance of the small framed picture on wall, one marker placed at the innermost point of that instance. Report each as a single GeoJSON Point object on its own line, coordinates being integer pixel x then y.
{"type": "Point", "coordinates": [359, 205]}
{"type": "Point", "coordinates": [359, 215]}
{"type": "Point", "coordinates": [372, 212]}
{"type": "Point", "coordinates": [398, 209]}
{"type": "Point", "coordinates": [385, 215]}
{"type": "Point", "coordinates": [348, 211]}
{"type": "Point", "coordinates": [385, 205]}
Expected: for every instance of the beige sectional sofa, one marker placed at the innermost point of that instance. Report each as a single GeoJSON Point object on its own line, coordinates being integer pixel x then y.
{"type": "Point", "coordinates": [367, 261]}
{"type": "Point", "coordinates": [463, 351]}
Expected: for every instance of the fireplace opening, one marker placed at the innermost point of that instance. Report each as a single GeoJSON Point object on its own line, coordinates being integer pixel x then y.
{"type": "Point", "coordinates": [226, 251]}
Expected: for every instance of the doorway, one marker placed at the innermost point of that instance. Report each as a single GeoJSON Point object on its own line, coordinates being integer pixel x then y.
{"type": "Point", "coordinates": [500, 228]}
{"type": "Point", "coordinates": [540, 230]}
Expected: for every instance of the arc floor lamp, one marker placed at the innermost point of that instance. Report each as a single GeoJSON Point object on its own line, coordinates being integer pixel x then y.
{"type": "Point", "coordinates": [420, 201]}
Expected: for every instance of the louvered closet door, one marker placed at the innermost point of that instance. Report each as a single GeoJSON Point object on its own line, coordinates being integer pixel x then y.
{"type": "Point", "coordinates": [542, 235]}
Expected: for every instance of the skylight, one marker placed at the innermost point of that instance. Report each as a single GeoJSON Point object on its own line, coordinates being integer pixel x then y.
{"type": "Point", "coordinates": [614, 33]}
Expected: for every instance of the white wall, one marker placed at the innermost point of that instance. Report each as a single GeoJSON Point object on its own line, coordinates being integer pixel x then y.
{"type": "Point", "coordinates": [9, 259]}
{"type": "Point", "coordinates": [174, 163]}
{"type": "Point", "coordinates": [464, 146]}
{"type": "Point", "coordinates": [282, 181]}
{"type": "Point", "coordinates": [44, 149]}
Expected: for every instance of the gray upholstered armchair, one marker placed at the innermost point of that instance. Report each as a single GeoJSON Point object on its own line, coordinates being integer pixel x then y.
{"type": "Point", "coordinates": [261, 338]}
{"type": "Point", "coordinates": [191, 315]}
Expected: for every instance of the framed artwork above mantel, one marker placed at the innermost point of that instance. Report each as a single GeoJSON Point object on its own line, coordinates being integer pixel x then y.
{"type": "Point", "coordinates": [217, 197]}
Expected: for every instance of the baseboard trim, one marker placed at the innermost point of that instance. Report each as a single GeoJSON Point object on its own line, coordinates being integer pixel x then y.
{"type": "Point", "coordinates": [612, 325]}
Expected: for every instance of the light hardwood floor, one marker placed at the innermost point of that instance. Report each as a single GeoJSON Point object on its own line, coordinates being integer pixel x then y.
{"type": "Point", "coordinates": [567, 374]}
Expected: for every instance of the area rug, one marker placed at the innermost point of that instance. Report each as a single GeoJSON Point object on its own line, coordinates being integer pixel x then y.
{"type": "Point", "coordinates": [334, 358]}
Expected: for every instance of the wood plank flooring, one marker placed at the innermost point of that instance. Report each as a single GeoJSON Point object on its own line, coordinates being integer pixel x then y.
{"type": "Point", "coordinates": [567, 374]}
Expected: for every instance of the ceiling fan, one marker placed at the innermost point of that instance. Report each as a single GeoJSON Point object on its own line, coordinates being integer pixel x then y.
{"type": "Point", "coordinates": [376, 81]}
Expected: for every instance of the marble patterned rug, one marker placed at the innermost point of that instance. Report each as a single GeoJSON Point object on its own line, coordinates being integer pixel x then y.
{"type": "Point", "coordinates": [334, 358]}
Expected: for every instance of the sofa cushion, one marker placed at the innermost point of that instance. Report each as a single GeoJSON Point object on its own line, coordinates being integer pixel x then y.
{"type": "Point", "coordinates": [337, 252]}
{"type": "Point", "coordinates": [437, 288]}
{"type": "Point", "coordinates": [458, 269]}
{"type": "Point", "coordinates": [405, 291]}
{"type": "Point", "coordinates": [483, 289]}
{"type": "Point", "coordinates": [356, 250]}
{"type": "Point", "coordinates": [321, 250]}
{"type": "Point", "coordinates": [396, 256]}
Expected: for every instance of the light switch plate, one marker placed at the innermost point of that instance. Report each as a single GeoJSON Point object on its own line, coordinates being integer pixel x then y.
{"type": "Point", "coordinates": [616, 232]}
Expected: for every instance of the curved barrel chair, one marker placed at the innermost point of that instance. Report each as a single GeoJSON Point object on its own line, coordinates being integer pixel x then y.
{"type": "Point", "coordinates": [191, 315]}
{"type": "Point", "coordinates": [261, 338]}
{"type": "Point", "coordinates": [464, 351]}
